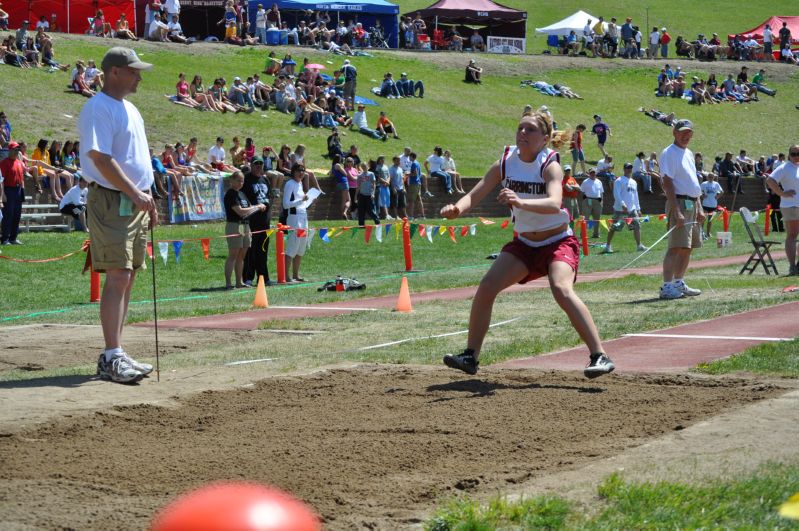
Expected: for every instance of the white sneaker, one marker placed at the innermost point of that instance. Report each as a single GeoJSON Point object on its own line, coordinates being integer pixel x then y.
{"type": "Point", "coordinates": [607, 249]}
{"type": "Point", "coordinates": [670, 291]}
{"type": "Point", "coordinates": [683, 287]}
{"type": "Point", "coordinates": [119, 369]}
{"type": "Point", "coordinates": [642, 247]}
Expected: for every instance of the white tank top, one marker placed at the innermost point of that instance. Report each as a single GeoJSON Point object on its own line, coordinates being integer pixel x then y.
{"type": "Point", "coordinates": [527, 180]}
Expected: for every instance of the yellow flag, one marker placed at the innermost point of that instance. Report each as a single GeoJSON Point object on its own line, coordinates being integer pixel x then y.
{"type": "Point", "coordinates": [603, 223]}
{"type": "Point", "coordinates": [790, 509]}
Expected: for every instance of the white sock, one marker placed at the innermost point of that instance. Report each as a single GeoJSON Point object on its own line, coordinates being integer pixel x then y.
{"type": "Point", "coordinates": [111, 352]}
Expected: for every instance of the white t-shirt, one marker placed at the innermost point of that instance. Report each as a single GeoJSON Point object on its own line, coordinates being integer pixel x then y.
{"type": "Point", "coordinates": [359, 119]}
{"type": "Point", "coordinates": [787, 176]}
{"type": "Point", "coordinates": [155, 25]}
{"type": "Point", "coordinates": [603, 165]}
{"type": "Point", "coordinates": [89, 74]}
{"type": "Point", "coordinates": [216, 152]}
{"type": "Point", "coordinates": [175, 27]}
{"type": "Point", "coordinates": [654, 37]}
{"type": "Point", "coordinates": [172, 6]}
{"type": "Point", "coordinates": [435, 162]}
{"type": "Point", "coordinates": [625, 195]}
{"type": "Point", "coordinates": [260, 18]}
{"type": "Point", "coordinates": [449, 164]}
{"type": "Point", "coordinates": [114, 128]}
{"type": "Point", "coordinates": [678, 165]}
{"type": "Point", "coordinates": [638, 166]}
{"type": "Point", "coordinates": [43, 24]}
{"type": "Point", "coordinates": [74, 196]}
{"type": "Point", "coordinates": [405, 163]}
{"type": "Point", "coordinates": [768, 35]}
{"type": "Point", "coordinates": [592, 188]}
{"type": "Point", "coordinates": [710, 189]}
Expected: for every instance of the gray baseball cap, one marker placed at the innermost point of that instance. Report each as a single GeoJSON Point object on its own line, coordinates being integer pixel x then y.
{"type": "Point", "coordinates": [683, 125]}
{"type": "Point", "coordinates": [119, 56]}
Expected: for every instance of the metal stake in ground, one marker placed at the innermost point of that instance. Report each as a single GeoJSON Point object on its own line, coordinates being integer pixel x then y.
{"type": "Point", "coordinates": [155, 307]}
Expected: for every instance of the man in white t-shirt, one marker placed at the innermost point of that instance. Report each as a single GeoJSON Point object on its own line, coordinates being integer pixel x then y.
{"type": "Point", "coordinates": [787, 177]}
{"type": "Point", "coordinates": [158, 30]}
{"type": "Point", "coordinates": [74, 203]}
{"type": "Point", "coordinates": [115, 159]}
{"type": "Point", "coordinates": [592, 199]}
{"type": "Point", "coordinates": [711, 190]}
{"type": "Point", "coordinates": [359, 122]}
{"type": "Point", "coordinates": [434, 165]}
{"type": "Point", "coordinates": [768, 43]}
{"type": "Point", "coordinates": [626, 208]}
{"type": "Point", "coordinates": [681, 186]}
{"type": "Point", "coordinates": [216, 155]}
{"type": "Point", "coordinates": [176, 30]}
{"type": "Point", "coordinates": [654, 43]}
{"type": "Point", "coordinates": [260, 24]}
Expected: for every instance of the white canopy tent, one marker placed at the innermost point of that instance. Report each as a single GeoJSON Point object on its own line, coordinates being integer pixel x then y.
{"type": "Point", "coordinates": [574, 22]}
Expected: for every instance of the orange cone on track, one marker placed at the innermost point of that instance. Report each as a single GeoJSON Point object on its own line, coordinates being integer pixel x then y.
{"type": "Point", "coordinates": [260, 294]}
{"type": "Point", "coordinates": [404, 300]}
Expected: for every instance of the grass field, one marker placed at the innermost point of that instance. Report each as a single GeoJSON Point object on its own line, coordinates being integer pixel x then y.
{"type": "Point", "coordinates": [466, 119]}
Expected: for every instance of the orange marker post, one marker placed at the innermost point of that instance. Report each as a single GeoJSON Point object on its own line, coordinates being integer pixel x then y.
{"type": "Point", "coordinates": [406, 244]}
{"type": "Point", "coordinates": [95, 282]}
{"type": "Point", "coordinates": [584, 236]}
{"type": "Point", "coordinates": [725, 216]}
{"type": "Point", "coordinates": [280, 254]}
{"type": "Point", "coordinates": [768, 220]}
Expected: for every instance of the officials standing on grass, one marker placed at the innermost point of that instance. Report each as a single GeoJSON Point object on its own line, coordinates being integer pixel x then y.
{"type": "Point", "coordinates": [683, 209]}
{"type": "Point", "coordinates": [115, 160]}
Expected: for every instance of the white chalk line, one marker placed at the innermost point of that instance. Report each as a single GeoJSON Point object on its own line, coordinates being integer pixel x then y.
{"type": "Point", "coordinates": [245, 362]}
{"type": "Point", "coordinates": [448, 334]}
{"type": "Point", "coordinates": [390, 343]}
{"type": "Point", "coordinates": [732, 338]}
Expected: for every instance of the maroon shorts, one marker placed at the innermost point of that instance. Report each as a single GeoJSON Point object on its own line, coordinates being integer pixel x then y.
{"type": "Point", "coordinates": [218, 165]}
{"type": "Point", "coordinates": [537, 259]}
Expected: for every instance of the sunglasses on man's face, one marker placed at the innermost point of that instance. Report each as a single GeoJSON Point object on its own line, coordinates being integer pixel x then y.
{"type": "Point", "coordinates": [793, 154]}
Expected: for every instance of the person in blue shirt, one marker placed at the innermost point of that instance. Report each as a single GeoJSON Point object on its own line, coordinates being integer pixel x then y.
{"type": "Point", "coordinates": [602, 131]}
{"type": "Point", "coordinates": [415, 176]}
{"type": "Point", "coordinates": [157, 189]}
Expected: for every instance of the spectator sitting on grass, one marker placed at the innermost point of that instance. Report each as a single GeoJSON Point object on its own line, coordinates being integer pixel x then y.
{"type": "Point", "coordinates": [159, 31]}
{"type": "Point", "coordinates": [240, 96]}
{"type": "Point", "coordinates": [48, 56]}
{"type": "Point", "coordinates": [473, 73]}
{"type": "Point", "coordinates": [388, 88]}
{"type": "Point", "coordinates": [386, 126]}
{"type": "Point", "coordinates": [123, 29]}
{"type": "Point", "coordinates": [101, 27]}
{"type": "Point", "coordinates": [359, 121]}
{"type": "Point", "coordinates": [8, 50]}
{"type": "Point", "coordinates": [93, 76]}
{"type": "Point", "coordinates": [408, 88]}
{"type": "Point", "coordinates": [176, 31]}
{"type": "Point", "coordinates": [79, 83]}
{"type": "Point", "coordinates": [31, 53]}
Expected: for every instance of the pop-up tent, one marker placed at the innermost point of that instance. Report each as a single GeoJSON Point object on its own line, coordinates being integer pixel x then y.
{"type": "Point", "coordinates": [775, 23]}
{"type": "Point", "coordinates": [575, 22]}
{"type": "Point", "coordinates": [364, 11]}
{"type": "Point", "coordinates": [493, 19]}
{"type": "Point", "coordinates": [70, 16]}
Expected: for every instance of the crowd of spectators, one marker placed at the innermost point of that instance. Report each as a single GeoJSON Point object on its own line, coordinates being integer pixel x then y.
{"type": "Point", "coordinates": [610, 39]}
{"type": "Point", "coordinates": [735, 88]}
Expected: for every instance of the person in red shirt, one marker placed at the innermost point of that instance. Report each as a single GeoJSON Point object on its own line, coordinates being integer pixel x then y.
{"type": "Point", "coordinates": [665, 39]}
{"type": "Point", "coordinates": [12, 194]}
{"type": "Point", "coordinates": [578, 155]}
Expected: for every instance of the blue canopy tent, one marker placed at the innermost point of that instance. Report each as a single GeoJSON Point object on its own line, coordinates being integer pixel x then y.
{"type": "Point", "coordinates": [363, 11]}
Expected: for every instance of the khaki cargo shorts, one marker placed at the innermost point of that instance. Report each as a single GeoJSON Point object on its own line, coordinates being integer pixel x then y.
{"type": "Point", "coordinates": [117, 242]}
{"type": "Point", "coordinates": [687, 236]}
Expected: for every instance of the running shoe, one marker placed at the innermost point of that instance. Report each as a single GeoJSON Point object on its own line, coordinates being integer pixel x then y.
{"type": "Point", "coordinates": [641, 248]}
{"type": "Point", "coordinates": [465, 361]}
{"type": "Point", "coordinates": [599, 365]}
{"type": "Point", "coordinates": [686, 290]}
{"type": "Point", "coordinates": [119, 369]}
{"type": "Point", "coordinates": [670, 291]}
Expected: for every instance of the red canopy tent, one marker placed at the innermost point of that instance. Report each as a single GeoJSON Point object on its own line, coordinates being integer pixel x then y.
{"type": "Point", "coordinates": [71, 16]}
{"type": "Point", "coordinates": [775, 23]}
{"type": "Point", "coordinates": [496, 18]}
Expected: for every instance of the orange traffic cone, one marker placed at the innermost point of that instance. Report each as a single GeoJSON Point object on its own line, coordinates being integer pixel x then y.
{"type": "Point", "coordinates": [260, 294]}
{"type": "Point", "coordinates": [404, 300]}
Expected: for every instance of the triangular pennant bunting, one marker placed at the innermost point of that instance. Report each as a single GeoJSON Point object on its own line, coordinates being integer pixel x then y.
{"type": "Point", "coordinates": [177, 246]}
{"type": "Point", "coordinates": [206, 243]}
{"type": "Point", "coordinates": [452, 234]}
{"type": "Point", "coordinates": [473, 229]}
{"type": "Point", "coordinates": [163, 250]}
{"type": "Point", "coordinates": [367, 235]}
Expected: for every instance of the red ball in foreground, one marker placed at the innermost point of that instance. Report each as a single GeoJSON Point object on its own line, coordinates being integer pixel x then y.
{"type": "Point", "coordinates": [236, 507]}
